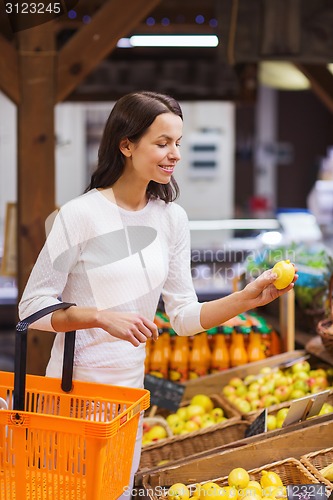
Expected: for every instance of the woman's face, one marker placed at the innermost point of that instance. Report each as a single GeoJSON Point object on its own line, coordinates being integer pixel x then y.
{"type": "Point", "coordinates": [155, 156]}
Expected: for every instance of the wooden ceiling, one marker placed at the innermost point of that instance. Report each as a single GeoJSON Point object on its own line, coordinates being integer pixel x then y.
{"type": "Point", "coordinates": [300, 31]}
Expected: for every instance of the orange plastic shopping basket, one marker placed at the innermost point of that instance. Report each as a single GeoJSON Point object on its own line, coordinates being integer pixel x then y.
{"type": "Point", "coordinates": [64, 441]}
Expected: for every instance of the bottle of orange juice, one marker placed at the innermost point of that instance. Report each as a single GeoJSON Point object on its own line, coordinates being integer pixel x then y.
{"type": "Point", "coordinates": [266, 337]}
{"type": "Point", "coordinates": [198, 358]}
{"type": "Point", "coordinates": [158, 365]}
{"type": "Point", "coordinates": [179, 359]}
{"type": "Point", "coordinates": [238, 354]}
{"type": "Point", "coordinates": [220, 356]}
{"type": "Point", "coordinates": [255, 349]}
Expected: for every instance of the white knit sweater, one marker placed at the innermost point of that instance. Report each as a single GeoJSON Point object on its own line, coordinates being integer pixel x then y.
{"type": "Point", "coordinates": [100, 255]}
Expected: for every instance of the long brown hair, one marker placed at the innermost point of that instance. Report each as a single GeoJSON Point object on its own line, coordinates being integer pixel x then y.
{"type": "Point", "coordinates": [130, 117]}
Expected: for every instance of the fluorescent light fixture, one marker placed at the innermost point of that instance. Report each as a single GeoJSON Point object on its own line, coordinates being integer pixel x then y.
{"type": "Point", "coordinates": [217, 225]}
{"type": "Point", "coordinates": [169, 41]}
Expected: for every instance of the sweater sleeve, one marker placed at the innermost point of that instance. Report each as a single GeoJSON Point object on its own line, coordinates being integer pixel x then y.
{"type": "Point", "coordinates": [180, 300]}
{"type": "Point", "coordinates": [50, 272]}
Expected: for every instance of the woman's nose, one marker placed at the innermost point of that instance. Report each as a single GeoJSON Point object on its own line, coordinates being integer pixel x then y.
{"type": "Point", "coordinates": [175, 153]}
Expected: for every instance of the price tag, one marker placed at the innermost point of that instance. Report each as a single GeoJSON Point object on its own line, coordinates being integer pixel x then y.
{"type": "Point", "coordinates": [164, 393]}
{"type": "Point", "coordinates": [316, 491]}
{"type": "Point", "coordinates": [258, 426]}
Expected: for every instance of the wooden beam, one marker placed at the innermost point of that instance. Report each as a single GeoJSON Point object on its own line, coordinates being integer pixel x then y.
{"type": "Point", "coordinates": [9, 83]}
{"type": "Point", "coordinates": [94, 41]}
{"type": "Point", "coordinates": [36, 162]}
{"type": "Point", "coordinates": [321, 80]}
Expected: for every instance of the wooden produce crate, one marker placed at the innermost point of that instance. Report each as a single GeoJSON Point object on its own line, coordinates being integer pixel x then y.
{"type": "Point", "coordinates": [316, 461]}
{"type": "Point", "coordinates": [307, 437]}
{"type": "Point", "coordinates": [186, 445]}
{"type": "Point", "coordinates": [290, 470]}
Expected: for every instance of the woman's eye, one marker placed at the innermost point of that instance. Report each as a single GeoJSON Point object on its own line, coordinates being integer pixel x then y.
{"type": "Point", "coordinates": [162, 145]}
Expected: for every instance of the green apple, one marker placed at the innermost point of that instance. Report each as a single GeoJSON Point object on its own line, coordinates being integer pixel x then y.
{"type": "Point", "coordinates": [236, 381]}
{"type": "Point", "coordinates": [241, 390]}
{"type": "Point", "coordinates": [301, 385]}
{"type": "Point", "coordinates": [301, 366]}
{"type": "Point", "coordinates": [254, 387]}
{"type": "Point", "coordinates": [228, 390]}
{"type": "Point", "coordinates": [256, 404]}
{"type": "Point", "coordinates": [203, 400]}
{"type": "Point", "coordinates": [243, 405]}
{"type": "Point", "coordinates": [282, 413]}
{"type": "Point", "coordinates": [177, 427]}
{"type": "Point", "coordinates": [157, 432]}
{"type": "Point", "coordinates": [325, 409]}
{"type": "Point", "coordinates": [182, 413]}
{"type": "Point", "coordinates": [271, 422]}
{"type": "Point", "coordinates": [252, 395]}
{"type": "Point", "coordinates": [192, 410]}
{"type": "Point", "coordinates": [191, 426]}
{"type": "Point", "coordinates": [172, 418]}
{"type": "Point", "coordinates": [282, 393]}
{"type": "Point", "coordinates": [296, 394]}
{"type": "Point", "coordinates": [216, 413]}
{"type": "Point", "coordinates": [269, 400]}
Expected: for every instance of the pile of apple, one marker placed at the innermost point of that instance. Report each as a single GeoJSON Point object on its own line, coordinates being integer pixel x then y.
{"type": "Point", "coordinates": [198, 414]}
{"type": "Point", "coordinates": [275, 386]}
{"type": "Point", "coordinates": [153, 433]}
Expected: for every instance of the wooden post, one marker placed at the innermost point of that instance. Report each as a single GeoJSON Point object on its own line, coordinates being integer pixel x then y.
{"type": "Point", "coordinates": [36, 163]}
{"type": "Point", "coordinates": [287, 320]}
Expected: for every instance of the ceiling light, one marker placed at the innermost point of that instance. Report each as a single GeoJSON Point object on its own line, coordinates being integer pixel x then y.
{"type": "Point", "coordinates": [282, 75]}
{"type": "Point", "coordinates": [169, 41]}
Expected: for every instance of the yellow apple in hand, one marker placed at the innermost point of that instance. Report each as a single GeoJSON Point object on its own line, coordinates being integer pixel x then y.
{"type": "Point", "coordinates": [285, 274]}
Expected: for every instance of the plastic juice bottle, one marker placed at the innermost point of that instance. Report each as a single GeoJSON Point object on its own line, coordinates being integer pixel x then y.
{"type": "Point", "coordinates": [246, 330]}
{"type": "Point", "coordinates": [211, 338]}
{"type": "Point", "coordinates": [255, 348]}
{"type": "Point", "coordinates": [207, 354]}
{"type": "Point", "coordinates": [158, 365]}
{"type": "Point", "coordinates": [276, 343]}
{"type": "Point", "coordinates": [220, 355]}
{"type": "Point", "coordinates": [265, 332]}
{"type": "Point", "coordinates": [238, 354]}
{"type": "Point", "coordinates": [227, 332]}
{"type": "Point", "coordinates": [179, 359]}
{"type": "Point", "coordinates": [197, 361]}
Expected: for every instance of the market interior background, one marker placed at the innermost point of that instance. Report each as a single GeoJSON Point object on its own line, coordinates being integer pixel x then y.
{"type": "Point", "coordinates": [258, 129]}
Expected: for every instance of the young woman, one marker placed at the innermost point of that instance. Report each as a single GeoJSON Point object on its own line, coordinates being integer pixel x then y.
{"type": "Point", "coordinates": [114, 250]}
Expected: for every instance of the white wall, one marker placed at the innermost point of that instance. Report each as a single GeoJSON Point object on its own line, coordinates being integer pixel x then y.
{"type": "Point", "coordinates": [211, 197]}
{"type": "Point", "coordinates": [71, 153]}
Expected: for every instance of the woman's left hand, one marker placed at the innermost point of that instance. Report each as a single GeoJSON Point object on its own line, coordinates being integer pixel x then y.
{"type": "Point", "coordinates": [261, 291]}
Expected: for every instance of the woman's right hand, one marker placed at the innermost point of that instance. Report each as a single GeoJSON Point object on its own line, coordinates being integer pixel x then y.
{"type": "Point", "coordinates": [132, 327]}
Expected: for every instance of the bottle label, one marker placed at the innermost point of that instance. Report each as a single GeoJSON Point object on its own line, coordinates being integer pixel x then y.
{"type": "Point", "coordinates": [156, 373]}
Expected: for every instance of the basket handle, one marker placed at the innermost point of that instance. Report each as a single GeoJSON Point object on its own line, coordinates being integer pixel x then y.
{"type": "Point", "coordinates": [20, 364]}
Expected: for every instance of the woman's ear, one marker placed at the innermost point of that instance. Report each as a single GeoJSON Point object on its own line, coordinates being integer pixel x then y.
{"type": "Point", "coordinates": [125, 148]}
